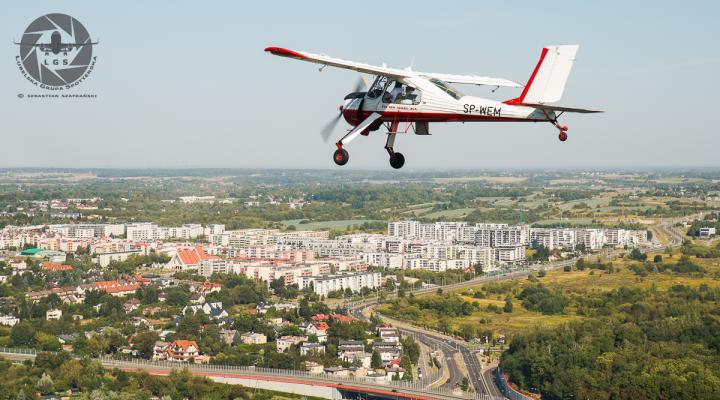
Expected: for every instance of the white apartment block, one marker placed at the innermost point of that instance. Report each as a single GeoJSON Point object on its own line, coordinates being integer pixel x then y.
{"type": "Point", "coordinates": [509, 254]}
{"type": "Point", "coordinates": [104, 259]}
{"type": "Point", "coordinates": [383, 260]}
{"type": "Point", "coordinates": [322, 285]}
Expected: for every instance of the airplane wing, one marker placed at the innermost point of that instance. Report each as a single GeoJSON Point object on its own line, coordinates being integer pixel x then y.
{"type": "Point", "coordinates": [562, 109]}
{"type": "Point", "coordinates": [32, 44]}
{"type": "Point", "coordinates": [336, 62]}
{"type": "Point", "coordinates": [471, 79]}
{"type": "Point", "coordinates": [385, 71]}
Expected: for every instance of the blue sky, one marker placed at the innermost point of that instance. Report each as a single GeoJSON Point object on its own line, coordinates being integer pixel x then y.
{"type": "Point", "coordinates": [187, 84]}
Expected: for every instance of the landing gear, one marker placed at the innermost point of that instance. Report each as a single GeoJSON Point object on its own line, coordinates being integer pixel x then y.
{"type": "Point", "coordinates": [341, 156]}
{"type": "Point", "coordinates": [397, 160]}
{"type": "Point", "coordinates": [553, 119]}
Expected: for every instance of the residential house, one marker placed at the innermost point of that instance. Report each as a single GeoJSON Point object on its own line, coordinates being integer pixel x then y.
{"type": "Point", "coordinates": [131, 305]}
{"type": "Point", "coordinates": [213, 309]}
{"type": "Point", "coordinates": [9, 320]}
{"type": "Point", "coordinates": [311, 347]}
{"type": "Point", "coordinates": [160, 350]}
{"type": "Point", "coordinates": [228, 335]}
{"type": "Point", "coordinates": [53, 314]}
{"type": "Point", "coordinates": [253, 338]}
{"type": "Point", "coordinates": [197, 298]}
{"type": "Point", "coordinates": [313, 367]}
{"type": "Point", "coordinates": [318, 329]}
{"type": "Point", "coordinates": [284, 342]}
{"type": "Point", "coordinates": [184, 351]}
{"type": "Point", "coordinates": [389, 335]}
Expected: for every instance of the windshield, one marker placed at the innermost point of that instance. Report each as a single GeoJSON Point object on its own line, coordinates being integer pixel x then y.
{"type": "Point", "coordinates": [447, 89]}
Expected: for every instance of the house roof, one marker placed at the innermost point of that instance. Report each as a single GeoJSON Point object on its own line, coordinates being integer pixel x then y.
{"type": "Point", "coordinates": [50, 266]}
{"type": "Point", "coordinates": [319, 317]}
{"type": "Point", "coordinates": [124, 288]}
{"type": "Point", "coordinates": [341, 318]}
{"type": "Point", "coordinates": [185, 344]}
{"type": "Point", "coordinates": [194, 256]}
{"type": "Point", "coordinates": [322, 326]}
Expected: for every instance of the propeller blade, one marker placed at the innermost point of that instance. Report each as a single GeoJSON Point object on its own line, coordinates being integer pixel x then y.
{"type": "Point", "coordinates": [328, 129]}
{"type": "Point", "coordinates": [361, 84]}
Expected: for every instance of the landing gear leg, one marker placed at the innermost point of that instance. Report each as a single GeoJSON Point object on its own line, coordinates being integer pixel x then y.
{"type": "Point", "coordinates": [562, 128]}
{"type": "Point", "coordinates": [397, 160]}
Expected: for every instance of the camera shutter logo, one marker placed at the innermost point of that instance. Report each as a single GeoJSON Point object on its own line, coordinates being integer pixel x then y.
{"type": "Point", "coordinates": [56, 51]}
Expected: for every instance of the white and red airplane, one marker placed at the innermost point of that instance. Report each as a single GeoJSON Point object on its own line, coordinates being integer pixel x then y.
{"type": "Point", "coordinates": [418, 98]}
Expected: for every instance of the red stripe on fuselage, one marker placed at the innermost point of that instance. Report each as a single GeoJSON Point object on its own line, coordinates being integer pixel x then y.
{"type": "Point", "coordinates": [353, 117]}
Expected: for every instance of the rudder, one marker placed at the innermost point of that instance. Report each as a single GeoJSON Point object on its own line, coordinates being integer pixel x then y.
{"type": "Point", "coordinates": [547, 82]}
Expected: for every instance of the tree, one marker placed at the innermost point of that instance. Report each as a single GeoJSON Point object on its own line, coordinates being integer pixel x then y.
{"type": "Point", "coordinates": [407, 365]}
{"type": "Point", "coordinates": [508, 308]}
{"type": "Point", "coordinates": [145, 343]}
{"type": "Point", "coordinates": [478, 269]}
{"type": "Point", "coordinates": [580, 264]}
{"type": "Point", "coordinates": [45, 384]}
{"type": "Point", "coordinates": [465, 384]}
{"type": "Point", "coordinates": [657, 259]}
{"type": "Point", "coordinates": [636, 254]}
{"type": "Point", "coordinates": [177, 296]}
{"type": "Point", "coordinates": [22, 334]}
{"type": "Point", "coordinates": [541, 253]}
{"type": "Point", "coordinates": [376, 360]}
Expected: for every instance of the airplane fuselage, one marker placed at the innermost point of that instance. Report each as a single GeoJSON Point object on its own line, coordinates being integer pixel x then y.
{"type": "Point", "coordinates": [437, 105]}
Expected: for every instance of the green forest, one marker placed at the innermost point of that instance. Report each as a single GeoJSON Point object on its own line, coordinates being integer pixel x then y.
{"type": "Point", "coordinates": [649, 344]}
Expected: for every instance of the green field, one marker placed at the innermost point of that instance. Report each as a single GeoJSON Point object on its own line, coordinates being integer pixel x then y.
{"type": "Point", "coordinates": [573, 284]}
{"type": "Point", "coordinates": [326, 225]}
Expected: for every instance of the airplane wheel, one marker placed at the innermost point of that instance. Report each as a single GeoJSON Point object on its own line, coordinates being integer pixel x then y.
{"type": "Point", "coordinates": [341, 157]}
{"type": "Point", "coordinates": [562, 136]}
{"type": "Point", "coordinates": [397, 160]}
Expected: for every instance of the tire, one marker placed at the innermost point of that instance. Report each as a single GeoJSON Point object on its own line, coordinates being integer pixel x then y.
{"type": "Point", "coordinates": [341, 157]}
{"type": "Point", "coordinates": [562, 136]}
{"type": "Point", "coordinates": [397, 160]}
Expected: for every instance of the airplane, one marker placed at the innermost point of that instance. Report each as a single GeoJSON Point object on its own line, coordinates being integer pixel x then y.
{"type": "Point", "coordinates": [418, 98]}
{"type": "Point", "coordinates": [56, 46]}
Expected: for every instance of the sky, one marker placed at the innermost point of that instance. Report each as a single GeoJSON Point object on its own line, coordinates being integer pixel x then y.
{"type": "Point", "coordinates": [187, 84]}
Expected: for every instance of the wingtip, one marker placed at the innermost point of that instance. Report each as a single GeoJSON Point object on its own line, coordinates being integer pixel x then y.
{"type": "Point", "coordinates": [283, 52]}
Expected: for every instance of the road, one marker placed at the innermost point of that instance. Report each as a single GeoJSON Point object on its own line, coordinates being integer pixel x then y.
{"type": "Point", "coordinates": [450, 346]}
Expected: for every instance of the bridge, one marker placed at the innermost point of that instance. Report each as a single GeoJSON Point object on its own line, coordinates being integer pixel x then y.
{"type": "Point", "coordinates": [288, 381]}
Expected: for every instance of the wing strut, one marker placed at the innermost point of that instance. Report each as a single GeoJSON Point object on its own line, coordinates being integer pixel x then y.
{"type": "Point", "coordinates": [358, 129]}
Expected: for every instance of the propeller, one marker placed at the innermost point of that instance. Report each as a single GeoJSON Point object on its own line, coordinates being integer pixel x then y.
{"type": "Point", "coordinates": [328, 129]}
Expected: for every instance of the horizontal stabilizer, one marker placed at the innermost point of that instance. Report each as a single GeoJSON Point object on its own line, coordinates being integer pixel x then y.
{"type": "Point", "coordinates": [562, 109]}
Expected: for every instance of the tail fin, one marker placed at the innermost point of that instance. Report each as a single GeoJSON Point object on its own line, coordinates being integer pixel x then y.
{"type": "Point", "coordinates": [547, 82]}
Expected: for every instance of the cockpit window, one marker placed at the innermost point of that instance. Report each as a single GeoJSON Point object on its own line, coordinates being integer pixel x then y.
{"type": "Point", "coordinates": [447, 89]}
{"type": "Point", "coordinates": [378, 87]}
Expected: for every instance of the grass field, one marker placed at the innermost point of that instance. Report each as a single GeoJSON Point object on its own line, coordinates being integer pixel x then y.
{"type": "Point", "coordinates": [491, 179]}
{"type": "Point", "coordinates": [320, 225]}
{"type": "Point", "coordinates": [572, 284]}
